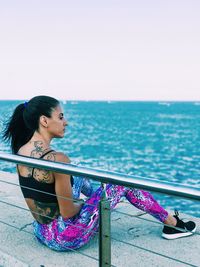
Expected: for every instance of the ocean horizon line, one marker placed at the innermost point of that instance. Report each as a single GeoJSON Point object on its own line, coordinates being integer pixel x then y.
{"type": "Point", "coordinates": [113, 100]}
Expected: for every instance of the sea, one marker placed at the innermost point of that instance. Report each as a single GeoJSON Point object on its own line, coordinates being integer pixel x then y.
{"type": "Point", "coordinates": [154, 140]}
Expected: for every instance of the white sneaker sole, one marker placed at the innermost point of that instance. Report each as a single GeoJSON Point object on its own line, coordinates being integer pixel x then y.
{"type": "Point", "coordinates": [178, 235]}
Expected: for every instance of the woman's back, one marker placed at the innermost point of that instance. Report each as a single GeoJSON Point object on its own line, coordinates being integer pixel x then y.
{"type": "Point", "coordinates": [44, 206]}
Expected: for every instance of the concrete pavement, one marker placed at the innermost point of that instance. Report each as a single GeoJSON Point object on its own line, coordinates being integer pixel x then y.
{"type": "Point", "coordinates": [19, 248]}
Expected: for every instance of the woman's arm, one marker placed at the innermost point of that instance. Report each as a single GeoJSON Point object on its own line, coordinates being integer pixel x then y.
{"type": "Point", "coordinates": [63, 188]}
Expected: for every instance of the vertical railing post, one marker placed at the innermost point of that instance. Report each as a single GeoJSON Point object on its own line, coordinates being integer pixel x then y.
{"type": "Point", "coordinates": [104, 232]}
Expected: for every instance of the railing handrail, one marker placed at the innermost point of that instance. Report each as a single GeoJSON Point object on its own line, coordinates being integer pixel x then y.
{"type": "Point", "coordinates": [107, 176]}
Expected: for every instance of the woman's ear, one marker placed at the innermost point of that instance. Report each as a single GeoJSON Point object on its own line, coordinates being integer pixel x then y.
{"type": "Point", "coordinates": [44, 121]}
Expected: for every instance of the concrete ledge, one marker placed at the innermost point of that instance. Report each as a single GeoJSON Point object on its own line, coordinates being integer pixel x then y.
{"type": "Point", "coordinates": [19, 248]}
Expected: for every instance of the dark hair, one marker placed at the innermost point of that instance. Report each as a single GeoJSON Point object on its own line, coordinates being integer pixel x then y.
{"type": "Point", "coordinates": [25, 120]}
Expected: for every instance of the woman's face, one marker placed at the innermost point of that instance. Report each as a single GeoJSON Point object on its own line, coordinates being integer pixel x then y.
{"type": "Point", "coordinates": [57, 123]}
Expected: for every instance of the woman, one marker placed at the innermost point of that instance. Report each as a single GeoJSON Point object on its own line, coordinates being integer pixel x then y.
{"type": "Point", "coordinates": [60, 223]}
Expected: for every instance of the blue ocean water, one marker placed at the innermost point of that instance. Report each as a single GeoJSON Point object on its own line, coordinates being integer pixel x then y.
{"type": "Point", "coordinates": [157, 140]}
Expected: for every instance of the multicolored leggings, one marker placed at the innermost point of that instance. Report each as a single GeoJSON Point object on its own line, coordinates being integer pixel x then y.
{"type": "Point", "coordinates": [66, 234]}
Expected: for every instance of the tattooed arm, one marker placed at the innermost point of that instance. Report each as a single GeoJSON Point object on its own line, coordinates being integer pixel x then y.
{"type": "Point", "coordinates": [63, 188]}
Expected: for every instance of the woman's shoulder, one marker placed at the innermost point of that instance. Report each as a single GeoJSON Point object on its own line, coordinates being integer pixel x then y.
{"type": "Point", "coordinates": [43, 152]}
{"type": "Point", "coordinates": [61, 157]}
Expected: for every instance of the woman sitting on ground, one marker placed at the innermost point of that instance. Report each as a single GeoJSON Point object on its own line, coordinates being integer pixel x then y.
{"type": "Point", "coordinates": [60, 223]}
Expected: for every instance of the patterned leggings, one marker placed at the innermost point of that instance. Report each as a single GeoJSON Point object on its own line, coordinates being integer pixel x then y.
{"type": "Point", "coordinates": [65, 234]}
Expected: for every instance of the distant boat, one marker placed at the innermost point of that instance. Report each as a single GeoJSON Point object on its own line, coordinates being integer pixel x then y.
{"type": "Point", "coordinates": [164, 103]}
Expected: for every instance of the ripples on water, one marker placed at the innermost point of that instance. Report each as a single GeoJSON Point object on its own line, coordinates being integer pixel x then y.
{"type": "Point", "coordinates": [150, 139]}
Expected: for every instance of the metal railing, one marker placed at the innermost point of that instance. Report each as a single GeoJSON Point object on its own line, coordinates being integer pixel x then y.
{"type": "Point", "coordinates": [107, 177]}
{"type": "Point", "coordinates": [104, 205]}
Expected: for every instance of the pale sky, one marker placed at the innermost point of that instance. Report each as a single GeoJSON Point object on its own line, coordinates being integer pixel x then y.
{"type": "Point", "coordinates": [106, 49]}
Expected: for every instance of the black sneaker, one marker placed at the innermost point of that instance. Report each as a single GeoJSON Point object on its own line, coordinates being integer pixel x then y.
{"type": "Point", "coordinates": [172, 233]}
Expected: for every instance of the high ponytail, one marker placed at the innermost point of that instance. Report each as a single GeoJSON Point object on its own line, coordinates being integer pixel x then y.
{"type": "Point", "coordinates": [16, 129]}
{"type": "Point", "coordinates": [25, 120]}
